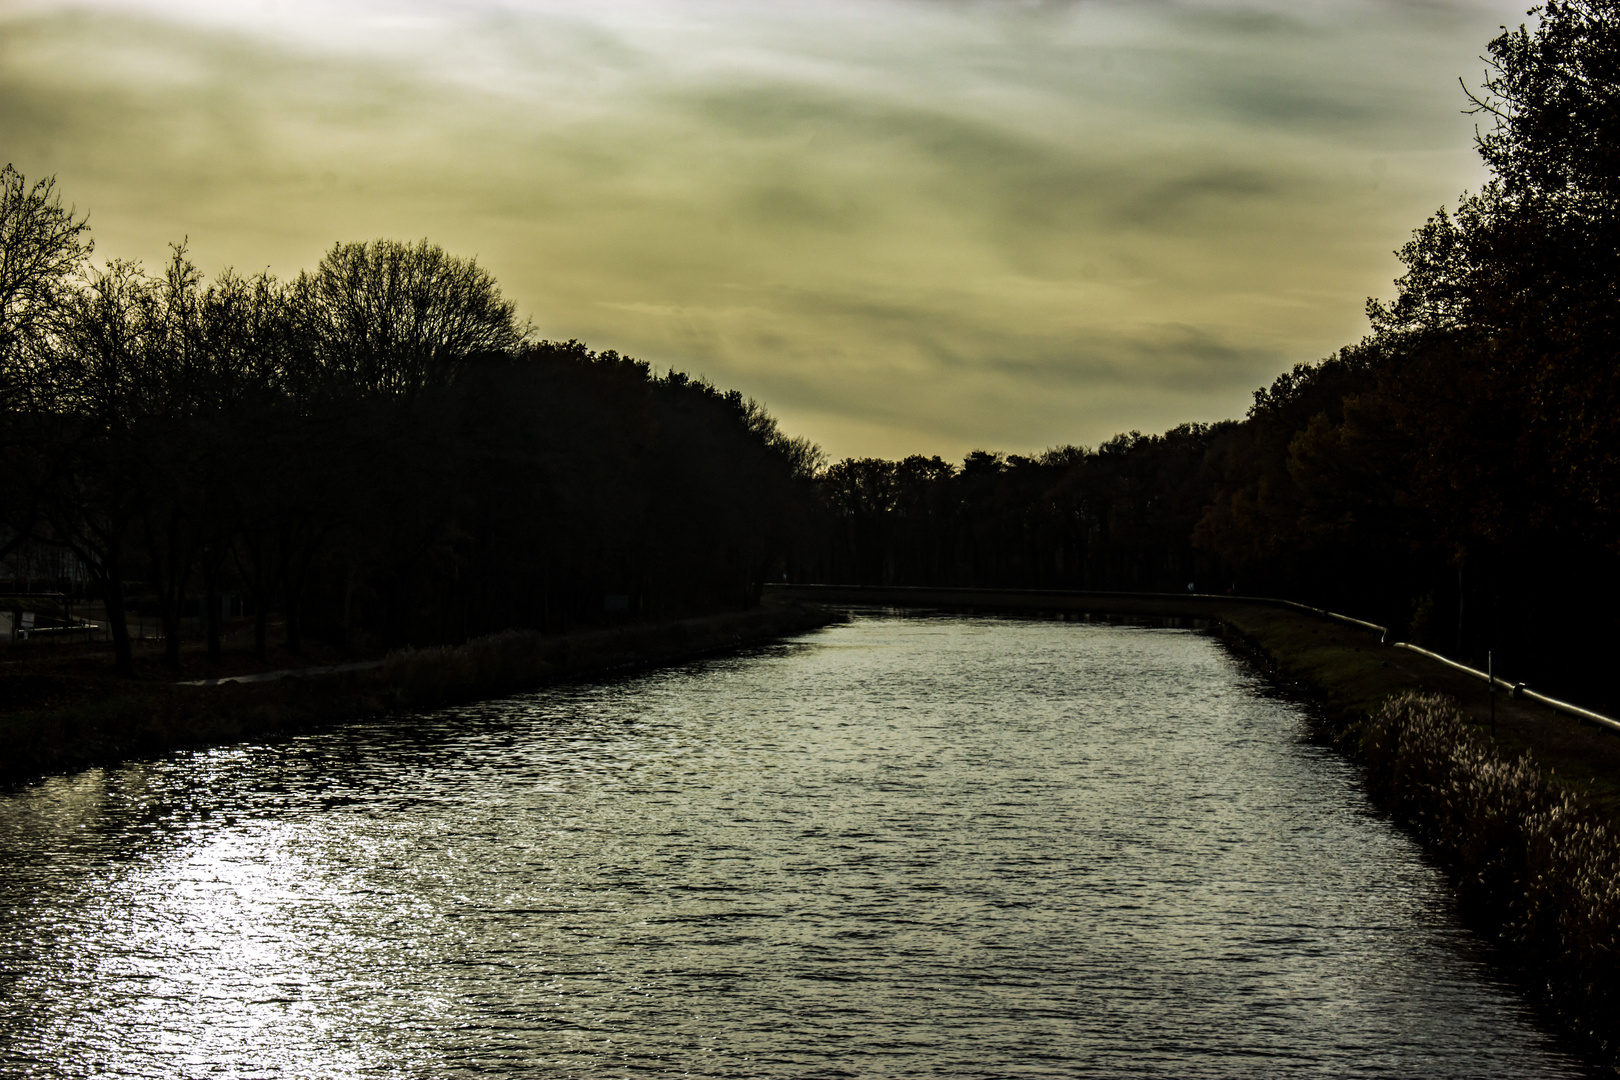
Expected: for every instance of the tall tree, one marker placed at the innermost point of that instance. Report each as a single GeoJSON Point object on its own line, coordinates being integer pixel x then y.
{"type": "Point", "coordinates": [92, 385]}
{"type": "Point", "coordinates": [389, 318]}
{"type": "Point", "coordinates": [1526, 272]}
{"type": "Point", "coordinates": [43, 246]}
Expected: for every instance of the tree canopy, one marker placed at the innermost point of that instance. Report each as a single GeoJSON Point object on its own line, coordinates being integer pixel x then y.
{"type": "Point", "coordinates": [384, 317]}
{"type": "Point", "coordinates": [42, 247]}
{"type": "Point", "coordinates": [376, 451]}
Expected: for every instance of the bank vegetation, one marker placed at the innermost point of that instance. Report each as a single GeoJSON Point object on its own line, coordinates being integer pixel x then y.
{"type": "Point", "coordinates": [1531, 861]}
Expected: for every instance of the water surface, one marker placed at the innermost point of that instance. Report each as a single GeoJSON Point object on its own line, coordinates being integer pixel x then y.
{"type": "Point", "coordinates": [907, 846]}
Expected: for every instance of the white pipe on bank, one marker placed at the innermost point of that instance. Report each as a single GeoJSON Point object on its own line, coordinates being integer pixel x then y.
{"type": "Point", "coordinates": [1519, 690]}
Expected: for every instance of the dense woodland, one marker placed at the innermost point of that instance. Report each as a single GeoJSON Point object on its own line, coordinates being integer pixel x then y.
{"type": "Point", "coordinates": [377, 452]}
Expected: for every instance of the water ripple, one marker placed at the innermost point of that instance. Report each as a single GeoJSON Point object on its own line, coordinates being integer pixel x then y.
{"type": "Point", "coordinates": [901, 847]}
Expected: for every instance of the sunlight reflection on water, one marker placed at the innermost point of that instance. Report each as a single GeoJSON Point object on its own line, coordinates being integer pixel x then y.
{"type": "Point", "coordinates": [901, 847]}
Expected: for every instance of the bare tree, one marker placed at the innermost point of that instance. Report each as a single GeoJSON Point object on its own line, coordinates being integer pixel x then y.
{"type": "Point", "coordinates": [388, 318]}
{"type": "Point", "coordinates": [42, 246]}
{"type": "Point", "coordinates": [92, 383]}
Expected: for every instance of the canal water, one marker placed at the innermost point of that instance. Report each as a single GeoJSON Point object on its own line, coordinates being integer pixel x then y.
{"type": "Point", "coordinates": [906, 846]}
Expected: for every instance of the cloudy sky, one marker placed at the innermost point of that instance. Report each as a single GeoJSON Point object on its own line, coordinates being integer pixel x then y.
{"type": "Point", "coordinates": [905, 225]}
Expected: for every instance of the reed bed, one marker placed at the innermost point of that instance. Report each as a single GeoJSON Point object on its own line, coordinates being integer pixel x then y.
{"type": "Point", "coordinates": [518, 659]}
{"type": "Point", "coordinates": [485, 667]}
{"type": "Point", "coordinates": [1530, 859]}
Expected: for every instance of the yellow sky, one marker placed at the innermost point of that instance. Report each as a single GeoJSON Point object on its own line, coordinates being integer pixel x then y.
{"type": "Point", "coordinates": [907, 226]}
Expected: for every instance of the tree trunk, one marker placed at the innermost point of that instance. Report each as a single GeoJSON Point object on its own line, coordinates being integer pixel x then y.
{"type": "Point", "coordinates": [171, 566]}
{"type": "Point", "coordinates": [1462, 604]}
{"type": "Point", "coordinates": [212, 602]}
{"type": "Point", "coordinates": [289, 607]}
{"type": "Point", "coordinates": [255, 576]}
{"type": "Point", "coordinates": [169, 613]}
{"type": "Point", "coordinates": [112, 586]}
{"type": "Point", "coordinates": [294, 574]}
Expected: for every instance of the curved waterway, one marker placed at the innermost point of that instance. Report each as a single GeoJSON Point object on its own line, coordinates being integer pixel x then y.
{"type": "Point", "coordinates": [906, 846]}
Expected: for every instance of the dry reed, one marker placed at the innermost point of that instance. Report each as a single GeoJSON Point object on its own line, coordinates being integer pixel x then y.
{"type": "Point", "coordinates": [1529, 857]}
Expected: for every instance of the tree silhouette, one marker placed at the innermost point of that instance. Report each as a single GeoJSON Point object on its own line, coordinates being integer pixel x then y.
{"type": "Point", "coordinates": [92, 384]}
{"type": "Point", "coordinates": [388, 318]}
{"type": "Point", "coordinates": [42, 246]}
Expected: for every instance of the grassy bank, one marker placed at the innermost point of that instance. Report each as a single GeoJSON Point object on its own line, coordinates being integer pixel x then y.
{"type": "Point", "coordinates": [82, 719]}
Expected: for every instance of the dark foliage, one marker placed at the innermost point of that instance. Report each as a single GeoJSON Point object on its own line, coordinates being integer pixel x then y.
{"type": "Point", "coordinates": [376, 454]}
{"type": "Point", "coordinates": [1456, 474]}
{"type": "Point", "coordinates": [1118, 517]}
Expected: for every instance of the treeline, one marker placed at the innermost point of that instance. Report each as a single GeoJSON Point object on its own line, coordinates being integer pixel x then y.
{"type": "Point", "coordinates": [375, 452]}
{"type": "Point", "coordinates": [1454, 475]}
{"type": "Point", "coordinates": [1118, 517]}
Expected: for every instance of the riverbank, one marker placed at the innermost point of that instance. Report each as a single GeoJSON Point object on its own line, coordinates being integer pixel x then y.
{"type": "Point", "coordinates": [1522, 810]}
{"type": "Point", "coordinates": [1519, 802]}
{"type": "Point", "coordinates": [62, 717]}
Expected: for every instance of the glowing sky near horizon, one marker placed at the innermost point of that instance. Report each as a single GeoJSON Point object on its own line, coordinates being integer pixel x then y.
{"type": "Point", "coordinates": [907, 226]}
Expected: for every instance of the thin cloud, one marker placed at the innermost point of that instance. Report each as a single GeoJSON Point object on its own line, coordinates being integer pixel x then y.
{"type": "Point", "coordinates": [908, 226]}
